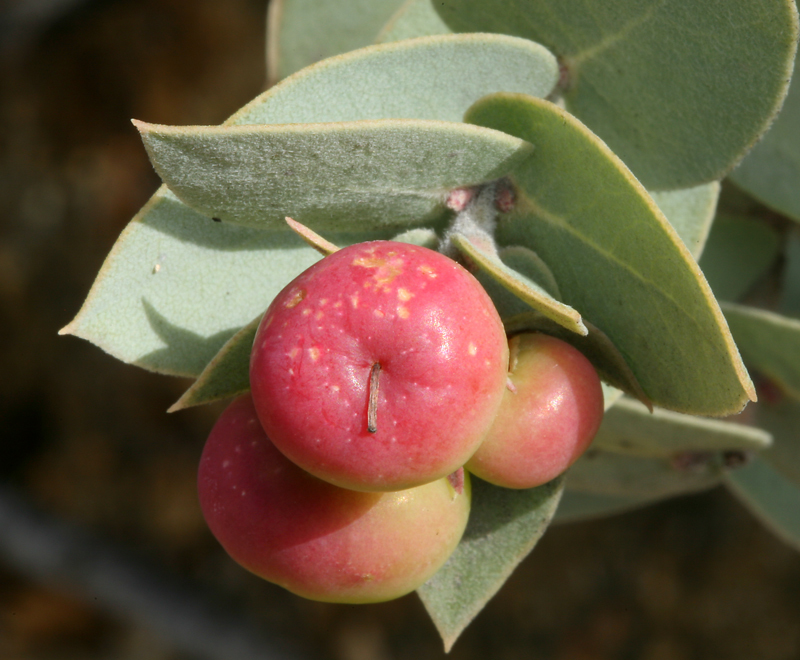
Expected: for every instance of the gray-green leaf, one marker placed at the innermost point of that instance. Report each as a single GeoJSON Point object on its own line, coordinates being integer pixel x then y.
{"type": "Point", "coordinates": [342, 176]}
{"type": "Point", "coordinates": [771, 498]}
{"type": "Point", "coordinates": [577, 507]}
{"type": "Point", "coordinates": [782, 419]}
{"type": "Point", "coordinates": [177, 286]}
{"type": "Point", "coordinates": [620, 475]}
{"type": "Point", "coordinates": [427, 78]}
{"type": "Point", "coordinates": [738, 253]}
{"type": "Point", "coordinates": [691, 212]}
{"type": "Point", "coordinates": [416, 18]}
{"type": "Point", "coordinates": [617, 259]}
{"type": "Point", "coordinates": [226, 375]}
{"type": "Point", "coordinates": [301, 32]}
{"type": "Point", "coordinates": [771, 171]}
{"type": "Point", "coordinates": [521, 286]}
{"type": "Point", "coordinates": [769, 343]}
{"type": "Point", "coordinates": [679, 89]}
{"type": "Point", "coordinates": [629, 428]}
{"type": "Point", "coordinates": [504, 526]}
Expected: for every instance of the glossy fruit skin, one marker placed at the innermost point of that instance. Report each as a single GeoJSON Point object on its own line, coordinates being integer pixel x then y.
{"type": "Point", "coordinates": [443, 359]}
{"type": "Point", "coordinates": [548, 422]}
{"type": "Point", "coordinates": [318, 540]}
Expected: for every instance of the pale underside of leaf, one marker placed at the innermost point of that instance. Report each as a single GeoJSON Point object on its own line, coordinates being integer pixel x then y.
{"type": "Point", "coordinates": [769, 343]}
{"type": "Point", "coordinates": [629, 428]}
{"type": "Point", "coordinates": [771, 498]}
{"type": "Point", "coordinates": [596, 346]}
{"type": "Point", "coordinates": [344, 176]}
{"type": "Point", "coordinates": [720, 87]}
{"type": "Point", "coordinates": [617, 259]}
{"type": "Point", "coordinates": [504, 526]}
{"type": "Point", "coordinates": [522, 287]}
{"type": "Point", "coordinates": [176, 286]}
{"type": "Point", "coordinates": [301, 32]}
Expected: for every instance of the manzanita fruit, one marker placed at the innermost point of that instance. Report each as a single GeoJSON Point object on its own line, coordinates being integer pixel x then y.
{"type": "Point", "coordinates": [549, 414]}
{"type": "Point", "coordinates": [316, 539]}
{"type": "Point", "coordinates": [380, 368]}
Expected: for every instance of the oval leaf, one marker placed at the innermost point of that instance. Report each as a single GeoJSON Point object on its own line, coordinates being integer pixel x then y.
{"type": "Point", "coordinates": [301, 32]}
{"type": "Point", "coordinates": [617, 259]}
{"type": "Point", "coordinates": [769, 343]}
{"type": "Point", "coordinates": [771, 498]}
{"type": "Point", "coordinates": [771, 171]}
{"type": "Point", "coordinates": [676, 121]}
{"type": "Point", "coordinates": [349, 175]}
{"type": "Point", "coordinates": [629, 428]}
{"type": "Point", "coordinates": [415, 18]}
{"type": "Point", "coordinates": [177, 286]}
{"type": "Point", "coordinates": [524, 288]}
{"type": "Point", "coordinates": [504, 526]}
{"type": "Point", "coordinates": [609, 473]}
{"type": "Point", "coordinates": [427, 78]}
{"type": "Point", "coordinates": [739, 252]}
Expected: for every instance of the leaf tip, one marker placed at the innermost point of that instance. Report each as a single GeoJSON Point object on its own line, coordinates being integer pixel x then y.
{"type": "Point", "coordinates": [68, 329]}
{"type": "Point", "coordinates": [178, 405]}
{"type": "Point", "coordinates": [139, 125]}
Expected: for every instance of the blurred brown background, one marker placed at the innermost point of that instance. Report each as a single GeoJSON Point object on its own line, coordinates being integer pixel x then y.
{"type": "Point", "coordinates": [85, 440]}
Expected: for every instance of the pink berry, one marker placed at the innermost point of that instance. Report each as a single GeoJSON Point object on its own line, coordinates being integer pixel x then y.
{"type": "Point", "coordinates": [381, 367]}
{"type": "Point", "coordinates": [547, 420]}
{"type": "Point", "coordinates": [315, 539]}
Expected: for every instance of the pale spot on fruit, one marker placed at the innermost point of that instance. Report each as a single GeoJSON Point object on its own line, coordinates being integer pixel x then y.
{"type": "Point", "coordinates": [226, 464]}
{"type": "Point", "coordinates": [294, 352]}
{"type": "Point", "coordinates": [313, 353]}
{"type": "Point", "coordinates": [319, 315]}
{"type": "Point", "coordinates": [403, 312]}
{"type": "Point", "coordinates": [354, 301]}
{"type": "Point", "coordinates": [335, 388]}
{"type": "Point", "coordinates": [404, 295]}
{"type": "Point", "coordinates": [244, 492]}
{"type": "Point", "coordinates": [323, 301]}
{"type": "Point", "coordinates": [337, 304]}
{"type": "Point", "coordinates": [306, 311]}
{"type": "Point", "coordinates": [378, 313]}
{"type": "Point", "coordinates": [472, 349]}
{"type": "Point", "coordinates": [386, 268]}
{"type": "Point", "coordinates": [296, 299]}
{"type": "Point", "coordinates": [427, 270]}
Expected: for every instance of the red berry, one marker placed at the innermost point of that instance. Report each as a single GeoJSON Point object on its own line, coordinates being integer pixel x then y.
{"type": "Point", "coordinates": [547, 421]}
{"type": "Point", "coordinates": [381, 367]}
{"type": "Point", "coordinates": [313, 538]}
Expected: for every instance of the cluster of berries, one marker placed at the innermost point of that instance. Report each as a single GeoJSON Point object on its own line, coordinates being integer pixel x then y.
{"type": "Point", "coordinates": [377, 376]}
